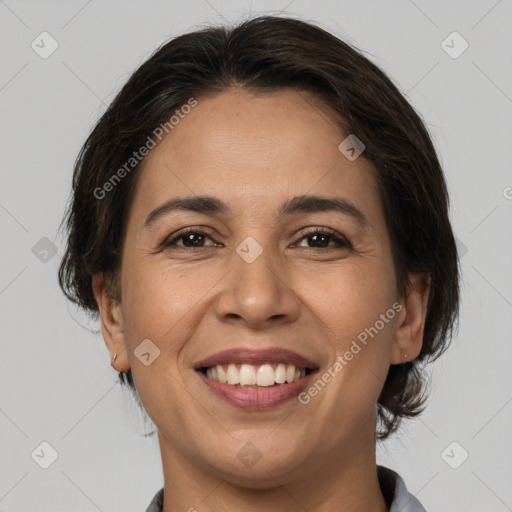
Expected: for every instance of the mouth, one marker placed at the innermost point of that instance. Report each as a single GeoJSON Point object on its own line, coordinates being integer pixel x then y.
{"type": "Point", "coordinates": [255, 376]}
{"type": "Point", "coordinates": [256, 379]}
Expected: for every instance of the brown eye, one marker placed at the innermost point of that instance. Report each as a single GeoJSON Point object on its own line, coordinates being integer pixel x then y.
{"type": "Point", "coordinates": [323, 238]}
{"type": "Point", "coordinates": [188, 238]}
{"type": "Point", "coordinates": [192, 239]}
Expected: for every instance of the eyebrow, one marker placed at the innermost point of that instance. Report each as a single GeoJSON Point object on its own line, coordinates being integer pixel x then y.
{"type": "Point", "coordinates": [306, 203]}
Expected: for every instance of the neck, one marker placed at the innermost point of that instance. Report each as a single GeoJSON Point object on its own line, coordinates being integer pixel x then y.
{"type": "Point", "coordinates": [338, 481]}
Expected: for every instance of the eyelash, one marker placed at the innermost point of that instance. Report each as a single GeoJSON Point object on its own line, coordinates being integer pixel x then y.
{"type": "Point", "coordinates": [340, 240]}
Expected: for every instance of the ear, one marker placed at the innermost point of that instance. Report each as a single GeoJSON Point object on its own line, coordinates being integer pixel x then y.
{"type": "Point", "coordinates": [112, 324]}
{"type": "Point", "coordinates": [411, 320]}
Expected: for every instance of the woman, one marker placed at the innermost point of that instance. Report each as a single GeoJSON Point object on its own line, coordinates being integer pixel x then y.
{"type": "Point", "coordinates": [261, 222]}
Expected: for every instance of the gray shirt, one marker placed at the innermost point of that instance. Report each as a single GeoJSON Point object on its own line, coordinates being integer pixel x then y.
{"type": "Point", "coordinates": [393, 489]}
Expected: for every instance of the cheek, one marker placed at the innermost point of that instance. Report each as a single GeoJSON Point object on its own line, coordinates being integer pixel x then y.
{"type": "Point", "coordinates": [352, 296]}
{"type": "Point", "coordinates": [160, 300]}
{"type": "Point", "coordinates": [161, 305]}
{"type": "Point", "coordinates": [355, 303]}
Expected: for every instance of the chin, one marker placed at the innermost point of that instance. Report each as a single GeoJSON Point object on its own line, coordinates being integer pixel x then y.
{"type": "Point", "coordinates": [255, 466]}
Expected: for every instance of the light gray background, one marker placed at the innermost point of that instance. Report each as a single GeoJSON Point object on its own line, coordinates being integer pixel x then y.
{"type": "Point", "coordinates": [55, 379]}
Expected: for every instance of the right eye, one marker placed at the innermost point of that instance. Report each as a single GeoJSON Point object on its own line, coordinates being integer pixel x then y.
{"type": "Point", "coordinates": [190, 238]}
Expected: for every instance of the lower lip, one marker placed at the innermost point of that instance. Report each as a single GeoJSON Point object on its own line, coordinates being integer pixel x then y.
{"type": "Point", "coordinates": [261, 398]}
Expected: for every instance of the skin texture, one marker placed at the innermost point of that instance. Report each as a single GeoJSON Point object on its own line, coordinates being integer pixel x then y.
{"type": "Point", "coordinates": [254, 152]}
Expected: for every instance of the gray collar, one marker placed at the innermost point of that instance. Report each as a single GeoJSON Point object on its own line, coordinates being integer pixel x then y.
{"type": "Point", "coordinates": [393, 487]}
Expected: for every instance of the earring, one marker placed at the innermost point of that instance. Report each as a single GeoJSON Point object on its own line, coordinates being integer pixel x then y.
{"type": "Point", "coordinates": [405, 358]}
{"type": "Point", "coordinates": [112, 360]}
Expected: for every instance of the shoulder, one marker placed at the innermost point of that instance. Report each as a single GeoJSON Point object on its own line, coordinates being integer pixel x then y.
{"type": "Point", "coordinates": [394, 489]}
{"type": "Point", "coordinates": [157, 502]}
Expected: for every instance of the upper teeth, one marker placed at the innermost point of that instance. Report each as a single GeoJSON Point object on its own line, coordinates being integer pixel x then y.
{"type": "Point", "coordinates": [263, 375]}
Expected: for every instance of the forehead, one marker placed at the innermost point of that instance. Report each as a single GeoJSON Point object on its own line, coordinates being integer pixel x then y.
{"type": "Point", "coordinates": [254, 148]}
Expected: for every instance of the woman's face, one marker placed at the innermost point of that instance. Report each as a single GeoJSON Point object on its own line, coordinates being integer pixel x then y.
{"type": "Point", "coordinates": [265, 271]}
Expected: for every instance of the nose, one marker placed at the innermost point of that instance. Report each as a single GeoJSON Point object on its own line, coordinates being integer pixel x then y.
{"type": "Point", "coordinates": [257, 293]}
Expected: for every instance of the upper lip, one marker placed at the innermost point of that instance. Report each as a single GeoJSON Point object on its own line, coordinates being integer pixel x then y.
{"type": "Point", "coordinates": [256, 357]}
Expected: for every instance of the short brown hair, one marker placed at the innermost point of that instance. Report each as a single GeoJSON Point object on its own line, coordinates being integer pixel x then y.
{"type": "Point", "coordinates": [266, 54]}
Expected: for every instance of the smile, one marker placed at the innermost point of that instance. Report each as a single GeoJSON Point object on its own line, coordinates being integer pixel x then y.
{"type": "Point", "coordinates": [256, 379]}
{"type": "Point", "coordinates": [244, 375]}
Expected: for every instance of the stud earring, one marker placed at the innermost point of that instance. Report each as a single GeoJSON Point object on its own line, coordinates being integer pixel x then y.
{"type": "Point", "coordinates": [112, 360]}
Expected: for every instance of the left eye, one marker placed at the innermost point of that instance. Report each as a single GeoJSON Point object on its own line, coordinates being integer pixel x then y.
{"type": "Point", "coordinates": [321, 238]}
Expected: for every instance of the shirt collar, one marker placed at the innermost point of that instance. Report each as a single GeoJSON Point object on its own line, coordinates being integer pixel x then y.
{"type": "Point", "coordinates": [401, 499]}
